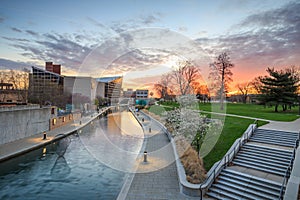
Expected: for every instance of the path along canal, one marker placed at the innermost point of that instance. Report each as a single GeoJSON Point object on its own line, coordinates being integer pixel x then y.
{"type": "Point", "coordinates": [90, 164]}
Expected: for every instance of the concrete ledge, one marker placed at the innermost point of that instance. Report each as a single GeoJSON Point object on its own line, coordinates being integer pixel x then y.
{"type": "Point", "coordinates": [43, 143]}
{"type": "Point", "coordinates": [292, 188]}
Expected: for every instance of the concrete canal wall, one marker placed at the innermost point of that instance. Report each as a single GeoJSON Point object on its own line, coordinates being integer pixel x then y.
{"type": "Point", "coordinates": [23, 121]}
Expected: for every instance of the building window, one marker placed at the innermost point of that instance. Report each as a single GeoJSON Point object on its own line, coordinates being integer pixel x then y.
{"type": "Point", "coordinates": [52, 111]}
{"type": "Point", "coordinates": [53, 121]}
{"type": "Point", "coordinates": [63, 119]}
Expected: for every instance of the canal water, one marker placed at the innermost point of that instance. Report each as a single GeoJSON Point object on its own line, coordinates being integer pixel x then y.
{"type": "Point", "coordinates": [90, 164]}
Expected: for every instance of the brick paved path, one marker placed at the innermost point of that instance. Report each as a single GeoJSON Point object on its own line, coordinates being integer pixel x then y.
{"type": "Point", "coordinates": [156, 179]}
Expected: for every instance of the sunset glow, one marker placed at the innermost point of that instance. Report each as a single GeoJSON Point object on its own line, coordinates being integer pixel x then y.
{"type": "Point", "coordinates": [98, 38]}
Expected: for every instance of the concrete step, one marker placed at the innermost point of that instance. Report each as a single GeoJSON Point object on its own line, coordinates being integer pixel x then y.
{"type": "Point", "coordinates": [260, 130]}
{"type": "Point", "coordinates": [274, 162]}
{"type": "Point", "coordinates": [269, 149]}
{"type": "Point", "coordinates": [270, 193]}
{"type": "Point", "coordinates": [294, 136]}
{"type": "Point", "coordinates": [221, 194]}
{"type": "Point", "coordinates": [260, 182]}
{"type": "Point", "coordinates": [260, 167]}
{"type": "Point", "coordinates": [238, 191]}
{"type": "Point", "coordinates": [248, 191]}
{"type": "Point", "coordinates": [281, 138]}
{"type": "Point", "coordinates": [266, 155]}
{"type": "Point", "coordinates": [270, 141]}
{"type": "Point", "coordinates": [258, 162]}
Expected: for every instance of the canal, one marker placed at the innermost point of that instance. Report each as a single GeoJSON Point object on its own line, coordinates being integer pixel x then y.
{"type": "Point", "coordinates": [90, 164]}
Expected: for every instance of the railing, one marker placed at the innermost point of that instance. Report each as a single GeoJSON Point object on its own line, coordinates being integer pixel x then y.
{"type": "Point", "coordinates": [289, 169]}
{"type": "Point", "coordinates": [25, 107]}
{"type": "Point", "coordinates": [224, 162]}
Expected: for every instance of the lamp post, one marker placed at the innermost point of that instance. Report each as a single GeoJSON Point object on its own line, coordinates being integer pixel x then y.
{"type": "Point", "coordinates": [44, 135]}
{"type": "Point", "coordinates": [145, 156]}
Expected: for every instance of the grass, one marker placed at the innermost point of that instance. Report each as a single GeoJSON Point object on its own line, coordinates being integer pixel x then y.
{"type": "Point", "coordinates": [250, 110]}
{"type": "Point", "coordinates": [233, 127]}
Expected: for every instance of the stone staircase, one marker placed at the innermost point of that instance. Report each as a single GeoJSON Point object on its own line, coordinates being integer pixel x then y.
{"type": "Point", "coordinates": [266, 159]}
{"type": "Point", "coordinates": [236, 185]}
{"type": "Point", "coordinates": [264, 155]}
{"type": "Point", "coordinates": [273, 137]}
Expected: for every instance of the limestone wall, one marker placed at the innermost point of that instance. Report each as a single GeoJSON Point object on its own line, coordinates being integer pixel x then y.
{"type": "Point", "coordinates": [19, 122]}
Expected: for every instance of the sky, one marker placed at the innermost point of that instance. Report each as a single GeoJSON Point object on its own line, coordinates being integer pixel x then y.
{"type": "Point", "coordinates": [141, 40]}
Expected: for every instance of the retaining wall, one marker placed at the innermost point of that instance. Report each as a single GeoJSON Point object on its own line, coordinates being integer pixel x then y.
{"type": "Point", "coordinates": [19, 122]}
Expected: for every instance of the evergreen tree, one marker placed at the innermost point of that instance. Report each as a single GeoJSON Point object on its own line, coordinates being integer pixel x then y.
{"type": "Point", "coordinates": [279, 88]}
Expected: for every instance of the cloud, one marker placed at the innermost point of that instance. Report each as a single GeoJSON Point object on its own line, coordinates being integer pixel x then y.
{"type": "Point", "coordinates": [15, 39]}
{"type": "Point", "coordinates": [33, 33]}
{"type": "Point", "coordinates": [269, 38]}
{"type": "Point", "coordinates": [16, 29]}
{"type": "Point", "coordinates": [15, 65]}
{"type": "Point", "coordinates": [138, 22]}
{"type": "Point", "coordinates": [2, 19]}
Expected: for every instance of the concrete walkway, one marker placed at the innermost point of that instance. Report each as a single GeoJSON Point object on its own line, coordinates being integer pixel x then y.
{"type": "Point", "coordinates": [24, 145]}
{"type": "Point", "coordinates": [293, 126]}
{"type": "Point", "coordinates": [156, 179]}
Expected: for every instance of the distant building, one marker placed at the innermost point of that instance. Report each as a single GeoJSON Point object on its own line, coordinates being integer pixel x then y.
{"type": "Point", "coordinates": [11, 96]}
{"type": "Point", "coordinates": [129, 93]}
{"type": "Point", "coordinates": [50, 67]}
{"type": "Point", "coordinates": [141, 94]}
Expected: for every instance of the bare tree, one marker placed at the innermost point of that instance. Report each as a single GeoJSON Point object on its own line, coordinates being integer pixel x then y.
{"type": "Point", "coordinates": [162, 87]}
{"type": "Point", "coordinates": [256, 85]}
{"type": "Point", "coordinates": [244, 89]}
{"type": "Point", "coordinates": [19, 80]}
{"type": "Point", "coordinates": [183, 76]}
{"type": "Point", "coordinates": [221, 75]}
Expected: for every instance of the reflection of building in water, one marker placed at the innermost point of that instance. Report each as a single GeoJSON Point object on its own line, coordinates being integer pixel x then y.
{"type": "Point", "coordinates": [114, 123]}
{"type": "Point", "coordinates": [110, 88]}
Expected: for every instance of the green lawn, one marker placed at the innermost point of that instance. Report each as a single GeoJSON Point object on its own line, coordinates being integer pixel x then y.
{"type": "Point", "coordinates": [234, 127]}
{"type": "Point", "coordinates": [250, 110]}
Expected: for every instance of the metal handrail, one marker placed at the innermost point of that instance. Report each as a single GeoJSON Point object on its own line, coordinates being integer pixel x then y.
{"type": "Point", "coordinates": [289, 168]}
{"type": "Point", "coordinates": [243, 138]}
{"type": "Point", "coordinates": [286, 176]}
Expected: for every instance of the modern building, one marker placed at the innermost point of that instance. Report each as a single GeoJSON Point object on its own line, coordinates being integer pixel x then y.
{"type": "Point", "coordinates": [141, 94]}
{"type": "Point", "coordinates": [44, 84]}
{"type": "Point", "coordinates": [85, 86]}
{"type": "Point", "coordinates": [110, 88]}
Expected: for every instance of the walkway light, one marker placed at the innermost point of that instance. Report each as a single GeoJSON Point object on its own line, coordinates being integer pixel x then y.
{"type": "Point", "coordinates": [45, 136]}
{"type": "Point", "coordinates": [145, 156]}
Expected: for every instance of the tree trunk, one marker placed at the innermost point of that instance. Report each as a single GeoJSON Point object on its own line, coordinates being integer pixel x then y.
{"type": "Point", "coordinates": [276, 108]}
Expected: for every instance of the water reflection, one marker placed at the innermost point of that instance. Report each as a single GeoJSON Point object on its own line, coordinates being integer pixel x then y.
{"type": "Point", "coordinates": [68, 169]}
{"type": "Point", "coordinates": [61, 168]}
{"type": "Point", "coordinates": [120, 148]}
